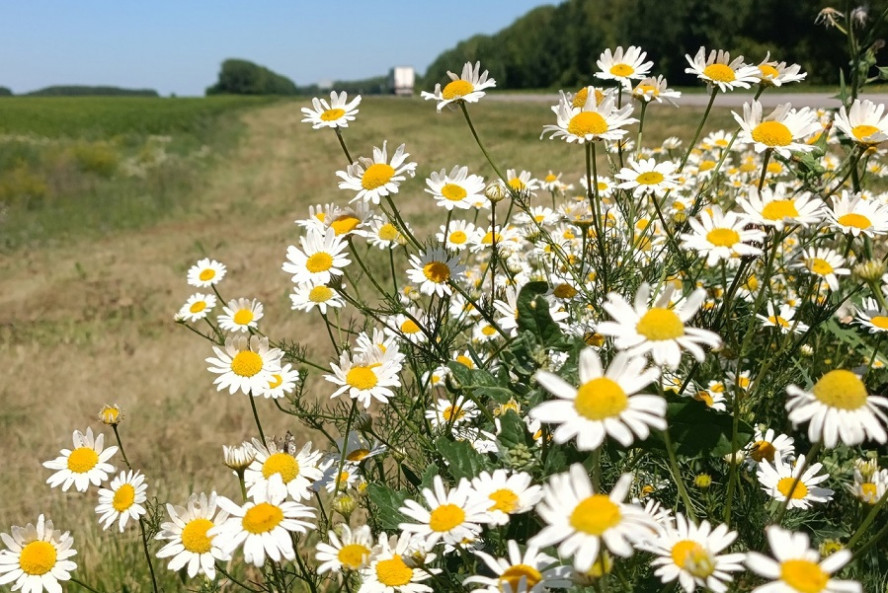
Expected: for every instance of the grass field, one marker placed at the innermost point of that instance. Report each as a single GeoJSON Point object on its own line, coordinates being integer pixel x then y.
{"type": "Point", "coordinates": [86, 311]}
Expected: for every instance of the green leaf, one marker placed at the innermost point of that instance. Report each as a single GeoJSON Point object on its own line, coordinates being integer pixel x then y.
{"type": "Point", "coordinates": [512, 430]}
{"type": "Point", "coordinates": [387, 501]}
{"type": "Point", "coordinates": [463, 461]}
{"type": "Point", "coordinates": [697, 431]}
{"type": "Point", "coordinates": [533, 313]}
{"type": "Point", "coordinates": [480, 382]}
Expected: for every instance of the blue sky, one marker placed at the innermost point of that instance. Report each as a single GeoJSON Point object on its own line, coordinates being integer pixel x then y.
{"type": "Point", "coordinates": [177, 46]}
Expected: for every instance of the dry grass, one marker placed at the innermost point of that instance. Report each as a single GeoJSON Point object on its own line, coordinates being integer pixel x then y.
{"type": "Point", "coordinates": [90, 322]}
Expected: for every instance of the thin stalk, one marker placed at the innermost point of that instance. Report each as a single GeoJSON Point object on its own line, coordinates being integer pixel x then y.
{"type": "Point", "coordinates": [480, 144]}
{"type": "Point", "coordinates": [120, 446]}
{"type": "Point", "coordinates": [492, 251]}
{"type": "Point", "coordinates": [644, 105]}
{"type": "Point", "coordinates": [679, 482]}
{"type": "Point", "coordinates": [228, 576]}
{"type": "Point", "coordinates": [256, 418]}
{"type": "Point", "coordinates": [693, 143]}
{"type": "Point", "coordinates": [147, 554]}
{"type": "Point", "coordinates": [765, 160]}
{"type": "Point", "coordinates": [80, 583]}
{"type": "Point", "coordinates": [344, 147]}
{"type": "Point", "coordinates": [868, 520]}
{"type": "Point", "coordinates": [815, 449]}
{"type": "Point", "coordinates": [343, 453]}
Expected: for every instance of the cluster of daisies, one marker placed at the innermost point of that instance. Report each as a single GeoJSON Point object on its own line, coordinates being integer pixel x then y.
{"type": "Point", "coordinates": [746, 261]}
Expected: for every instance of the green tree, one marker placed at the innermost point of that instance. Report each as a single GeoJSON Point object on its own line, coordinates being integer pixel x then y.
{"type": "Point", "coordinates": [240, 77]}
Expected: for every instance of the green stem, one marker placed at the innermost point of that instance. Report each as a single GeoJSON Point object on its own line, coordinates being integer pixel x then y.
{"type": "Point", "coordinates": [693, 143]}
{"type": "Point", "coordinates": [868, 520]}
{"type": "Point", "coordinates": [80, 583]}
{"type": "Point", "coordinates": [342, 144]}
{"type": "Point", "coordinates": [480, 144]}
{"type": "Point", "coordinates": [676, 474]}
{"type": "Point", "coordinates": [765, 160]}
{"type": "Point", "coordinates": [234, 580]}
{"type": "Point", "coordinates": [147, 554]}
{"type": "Point", "coordinates": [815, 449]}
{"type": "Point", "coordinates": [256, 418]}
{"type": "Point", "coordinates": [120, 446]}
{"type": "Point", "coordinates": [344, 447]}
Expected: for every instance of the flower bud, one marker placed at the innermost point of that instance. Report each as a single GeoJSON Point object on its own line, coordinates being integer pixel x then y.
{"type": "Point", "coordinates": [495, 192]}
{"type": "Point", "coordinates": [110, 414]}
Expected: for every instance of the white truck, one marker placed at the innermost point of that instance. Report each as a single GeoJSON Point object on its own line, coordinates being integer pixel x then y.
{"type": "Point", "coordinates": [401, 80]}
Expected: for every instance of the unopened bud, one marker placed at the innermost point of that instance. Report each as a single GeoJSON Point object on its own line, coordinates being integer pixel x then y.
{"type": "Point", "coordinates": [110, 414]}
{"type": "Point", "coordinates": [495, 192]}
{"type": "Point", "coordinates": [239, 457]}
{"type": "Point", "coordinates": [345, 505]}
{"type": "Point", "coordinates": [869, 271]}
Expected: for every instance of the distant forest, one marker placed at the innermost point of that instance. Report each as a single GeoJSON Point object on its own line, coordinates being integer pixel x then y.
{"type": "Point", "coordinates": [557, 46]}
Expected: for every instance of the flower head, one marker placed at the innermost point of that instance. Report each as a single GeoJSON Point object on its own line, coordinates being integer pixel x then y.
{"type": "Point", "coordinates": [468, 87]}
{"type": "Point", "coordinates": [335, 114]}
{"type": "Point", "coordinates": [86, 464]}
{"type": "Point", "coordinates": [36, 558]}
{"type": "Point", "coordinates": [717, 69]}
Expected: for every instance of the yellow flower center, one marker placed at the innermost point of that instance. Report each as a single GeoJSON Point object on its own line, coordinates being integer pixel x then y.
{"type": "Point", "coordinates": [437, 272]}
{"type": "Point", "coordinates": [551, 178]}
{"type": "Point", "coordinates": [458, 237]}
{"type": "Point", "coordinates": [768, 71]}
{"type": "Point", "coordinates": [595, 515]}
{"type": "Point", "coordinates": [262, 518]}
{"type": "Point", "coordinates": [450, 414]}
{"type": "Point", "coordinates": [393, 572]}
{"type": "Point", "coordinates": [246, 363]}
{"type": "Point", "coordinates": [446, 517]}
{"type": "Point", "coordinates": [516, 184]}
{"type": "Point", "coordinates": [457, 89]}
{"type": "Point", "coordinates": [853, 219]}
{"type": "Point", "coordinates": [587, 122]}
{"type": "Point", "coordinates": [800, 490]}
{"type": "Point", "coordinates": [515, 573]}
{"type": "Point", "coordinates": [622, 70]}
{"type": "Point", "coordinates": [803, 576]}
{"type": "Point", "coordinates": [489, 238]}
{"type": "Point", "coordinates": [110, 415]}
{"type": "Point", "coordinates": [719, 73]}
{"type": "Point", "coordinates": [124, 497]}
{"type": "Point", "coordinates": [649, 178]}
{"type": "Point", "coordinates": [841, 389]}
{"type": "Point", "coordinates": [660, 324]}
{"type": "Point", "coordinates": [320, 294]}
{"type": "Point", "coordinates": [693, 557]}
{"type": "Point", "coordinates": [819, 266]}
{"type": "Point", "coordinates": [361, 378]}
{"type": "Point", "coordinates": [283, 464]}
{"type": "Point", "coordinates": [779, 209]}
{"type": "Point", "coordinates": [345, 224]}
{"type": "Point", "coordinates": [775, 168]}
{"type": "Point", "coordinates": [352, 556]}
{"type": "Point", "coordinates": [332, 114]}
{"type": "Point", "coordinates": [705, 397]}
{"type": "Point", "coordinates": [82, 459]}
{"type": "Point", "coordinates": [723, 237]}
{"type": "Point", "coordinates": [207, 275]}
{"type": "Point", "coordinates": [880, 321]}
{"type": "Point", "coordinates": [488, 330]}
{"type": "Point", "coordinates": [37, 558]}
{"type": "Point", "coordinates": [580, 98]}
{"type": "Point", "coordinates": [387, 232]}
{"type": "Point", "coordinates": [600, 398]}
{"type": "Point", "coordinates": [377, 175]}
{"type": "Point", "coordinates": [358, 455]}
{"type": "Point", "coordinates": [197, 306]}
{"type": "Point", "coordinates": [869, 493]}
{"type": "Point", "coordinates": [762, 451]}
{"type": "Point", "coordinates": [772, 133]}
{"type": "Point", "coordinates": [453, 192]}
{"type": "Point", "coordinates": [275, 381]}
{"type": "Point", "coordinates": [565, 291]}
{"type": "Point", "coordinates": [319, 262]}
{"type": "Point", "coordinates": [465, 361]}
{"type": "Point", "coordinates": [644, 89]}
{"type": "Point", "coordinates": [864, 131]}
{"type": "Point", "coordinates": [409, 327]}
{"type": "Point", "coordinates": [194, 536]}
{"type": "Point", "coordinates": [243, 317]}
{"type": "Point", "coordinates": [504, 500]}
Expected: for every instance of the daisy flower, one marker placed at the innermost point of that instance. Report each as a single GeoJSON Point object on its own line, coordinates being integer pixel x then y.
{"type": "Point", "coordinates": [768, 446]}
{"type": "Point", "coordinates": [452, 516]}
{"type": "Point", "coordinates": [239, 457]}
{"type": "Point", "coordinates": [335, 114]}
{"type": "Point", "coordinates": [320, 258]}
{"type": "Point", "coordinates": [457, 189]}
{"type": "Point", "coordinates": [205, 273]}
{"type": "Point", "coordinates": [530, 572]}
{"type": "Point", "coordinates": [590, 122]}
{"type": "Point", "coordinates": [365, 377]}
{"type": "Point", "coordinates": [350, 552]}
{"type": "Point", "coordinates": [839, 409]}
{"type": "Point", "coordinates": [86, 464]}
{"type": "Point", "coordinates": [349, 220]}
{"type": "Point", "coordinates": [717, 69]}
{"type": "Point", "coordinates": [690, 553]}
{"type": "Point", "coordinates": [393, 569]}
{"type": "Point", "coordinates": [797, 568]}
{"type": "Point", "coordinates": [580, 520]}
{"type": "Point", "coordinates": [605, 403]}
{"type": "Point", "coordinates": [447, 413]}
{"type": "Point", "coordinates": [246, 365]}
{"type": "Point", "coordinates": [864, 123]}
{"type": "Point", "coordinates": [434, 271]}
{"type": "Point", "coordinates": [783, 131]}
{"type": "Point", "coordinates": [784, 319]}
{"type": "Point", "coordinates": [721, 236]}
{"type": "Point", "coordinates": [647, 176]}
{"type": "Point", "coordinates": [36, 557]}
{"type": "Point", "coordinates": [649, 89]}
{"type": "Point", "coordinates": [263, 525]}
{"type": "Point", "coordinates": [306, 296]}
{"type": "Point", "coordinates": [824, 263]}
{"type": "Point", "coordinates": [522, 182]}
{"type": "Point", "coordinates": [196, 307]}
{"type": "Point", "coordinates": [187, 539]}
{"type": "Point", "coordinates": [357, 448]}
{"type": "Point", "coordinates": [854, 215]}
{"type": "Point", "coordinates": [773, 207]}
{"type": "Point", "coordinates": [872, 316]}
{"type": "Point", "coordinates": [240, 315]}
{"type": "Point", "coordinates": [659, 330]}
{"type": "Point", "coordinates": [282, 382]}
{"type": "Point", "coordinates": [772, 73]}
{"type": "Point", "coordinates": [870, 482]}
{"type": "Point", "coordinates": [383, 234]}
{"type": "Point", "coordinates": [468, 87]}
{"type": "Point", "coordinates": [296, 471]}
{"type": "Point", "coordinates": [122, 500]}
{"type": "Point", "coordinates": [377, 177]}
{"type": "Point", "coordinates": [458, 234]}
{"type": "Point", "coordinates": [777, 481]}
{"type": "Point", "coordinates": [623, 66]}
{"type": "Point", "coordinates": [507, 493]}
{"type": "Point", "coordinates": [407, 326]}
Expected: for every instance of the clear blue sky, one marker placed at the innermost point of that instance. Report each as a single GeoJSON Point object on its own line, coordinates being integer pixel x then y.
{"type": "Point", "coordinates": [177, 46]}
